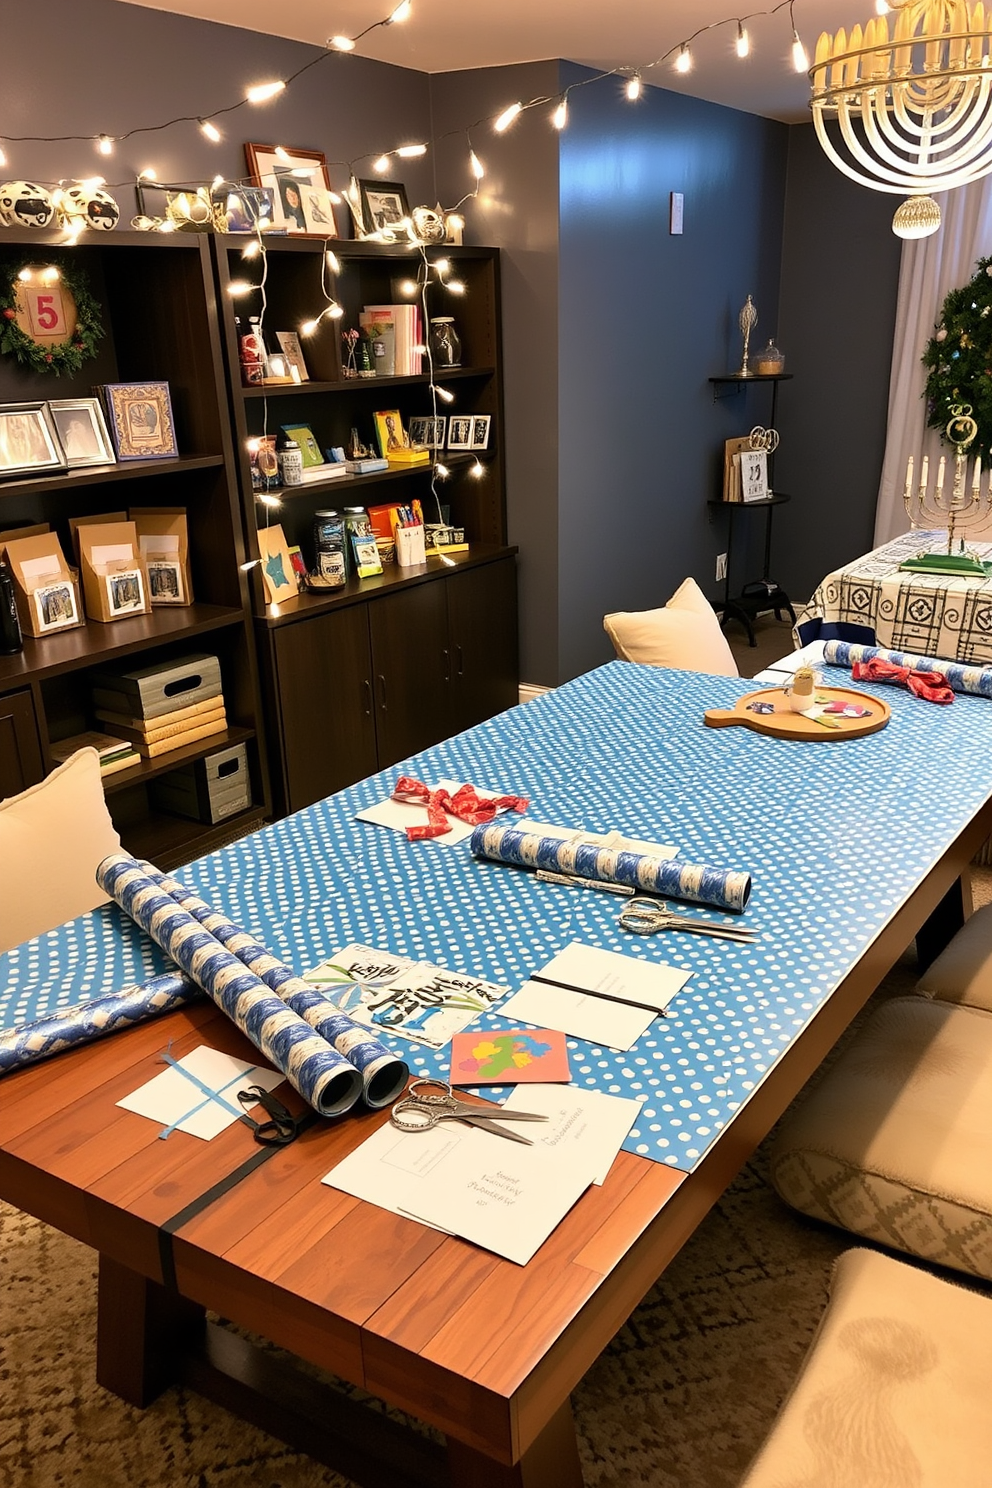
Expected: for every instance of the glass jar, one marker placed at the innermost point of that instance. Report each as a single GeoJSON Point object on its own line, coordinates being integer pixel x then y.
{"type": "Point", "coordinates": [291, 464]}
{"type": "Point", "coordinates": [444, 343]}
{"type": "Point", "coordinates": [770, 362]}
{"type": "Point", "coordinates": [330, 563]}
{"type": "Point", "coordinates": [356, 524]}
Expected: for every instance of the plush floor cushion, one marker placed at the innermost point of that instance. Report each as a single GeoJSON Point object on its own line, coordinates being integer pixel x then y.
{"type": "Point", "coordinates": [963, 972]}
{"type": "Point", "coordinates": [896, 1142]}
{"type": "Point", "coordinates": [894, 1392]}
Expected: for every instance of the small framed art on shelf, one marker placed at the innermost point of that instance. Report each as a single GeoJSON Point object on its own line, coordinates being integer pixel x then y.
{"type": "Point", "coordinates": [480, 430]}
{"type": "Point", "coordinates": [428, 432]}
{"type": "Point", "coordinates": [300, 186]}
{"type": "Point", "coordinates": [384, 206]}
{"type": "Point", "coordinates": [82, 430]}
{"type": "Point", "coordinates": [29, 442]}
{"type": "Point", "coordinates": [460, 433]}
{"type": "Point", "coordinates": [140, 418]}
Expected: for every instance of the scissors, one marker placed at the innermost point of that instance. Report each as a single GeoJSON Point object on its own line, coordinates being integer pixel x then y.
{"type": "Point", "coordinates": [281, 1128]}
{"type": "Point", "coordinates": [429, 1101]}
{"type": "Point", "coordinates": [647, 916]}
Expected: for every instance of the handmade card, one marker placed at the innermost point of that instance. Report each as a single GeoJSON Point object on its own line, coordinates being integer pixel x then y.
{"type": "Point", "coordinates": [522, 1055]}
{"type": "Point", "coordinates": [198, 1094]}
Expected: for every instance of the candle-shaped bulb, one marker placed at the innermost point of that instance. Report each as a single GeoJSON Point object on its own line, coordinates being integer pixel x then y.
{"type": "Point", "coordinates": [976, 480]}
{"type": "Point", "coordinates": [938, 493]}
{"type": "Point", "coordinates": [907, 493]}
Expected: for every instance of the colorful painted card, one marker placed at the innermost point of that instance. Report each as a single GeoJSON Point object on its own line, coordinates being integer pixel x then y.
{"type": "Point", "coordinates": [513, 1058]}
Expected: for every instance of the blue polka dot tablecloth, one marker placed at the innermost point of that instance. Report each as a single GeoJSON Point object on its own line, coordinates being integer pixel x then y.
{"type": "Point", "coordinates": [836, 836]}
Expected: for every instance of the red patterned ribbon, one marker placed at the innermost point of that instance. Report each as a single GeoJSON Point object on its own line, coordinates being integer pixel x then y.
{"type": "Point", "coordinates": [931, 686]}
{"type": "Point", "coordinates": [466, 804]}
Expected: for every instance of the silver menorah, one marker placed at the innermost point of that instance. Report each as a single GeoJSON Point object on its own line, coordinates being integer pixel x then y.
{"type": "Point", "coordinates": [747, 320]}
{"type": "Point", "coordinates": [966, 504]}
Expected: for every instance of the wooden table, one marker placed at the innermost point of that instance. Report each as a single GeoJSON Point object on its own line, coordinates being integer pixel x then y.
{"type": "Point", "coordinates": [482, 1349]}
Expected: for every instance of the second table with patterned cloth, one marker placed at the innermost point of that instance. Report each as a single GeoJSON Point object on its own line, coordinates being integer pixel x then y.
{"type": "Point", "coordinates": [871, 601]}
{"type": "Point", "coordinates": [854, 848]}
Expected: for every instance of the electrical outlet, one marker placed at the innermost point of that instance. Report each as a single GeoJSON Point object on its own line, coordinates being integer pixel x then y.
{"type": "Point", "coordinates": [721, 566]}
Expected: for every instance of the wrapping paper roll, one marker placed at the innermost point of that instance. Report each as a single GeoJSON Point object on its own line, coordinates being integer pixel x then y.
{"type": "Point", "coordinates": [976, 680]}
{"type": "Point", "coordinates": [324, 1078]}
{"type": "Point", "coordinates": [384, 1074]}
{"type": "Point", "coordinates": [721, 888]}
{"type": "Point", "coordinates": [91, 1020]}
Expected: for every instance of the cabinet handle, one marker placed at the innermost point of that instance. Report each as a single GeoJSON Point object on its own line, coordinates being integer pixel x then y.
{"type": "Point", "coordinates": [447, 664]}
{"type": "Point", "coordinates": [382, 692]}
{"type": "Point", "coordinates": [459, 661]}
{"type": "Point", "coordinates": [367, 685]}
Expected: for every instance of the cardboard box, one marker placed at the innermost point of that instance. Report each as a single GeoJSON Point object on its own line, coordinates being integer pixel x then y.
{"type": "Point", "coordinates": [100, 518]}
{"type": "Point", "coordinates": [210, 789]}
{"type": "Point", "coordinates": [115, 579]}
{"type": "Point", "coordinates": [46, 589]}
{"type": "Point", "coordinates": [163, 541]}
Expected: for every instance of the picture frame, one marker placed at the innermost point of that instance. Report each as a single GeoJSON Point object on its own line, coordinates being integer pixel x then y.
{"type": "Point", "coordinates": [309, 448]}
{"type": "Point", "coordinates": [166, 583]}
{"type": "Point", "coordinates": [300, 186]}
{"type": "Point", "coordinates": [460, 431]}
{"type": "Point", "coordinates": [289, 345]}
{"type": "Point", "coordinates": [428, 431]}
{"type": "Point", "coordinates": [140, 419]}
{"type": "Point", "coordinates": [82, 431]}
{"type": "Point", "coordinates": [125, 592]}
{"type": "Point", "coordinates": [242, 209]}
{"type": "Point", "coordinates": [389, 432]}
{"type": "Point", "coordinates": [480, 430]}
{"type": "Point", "coordinates": [383, 206]}
{"type": "Point", "coordinates": [29, 441]}
{"type": "Point", "coordinates": [55, 606]}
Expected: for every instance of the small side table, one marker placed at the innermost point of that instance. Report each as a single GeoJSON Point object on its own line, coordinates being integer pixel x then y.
{"type": "Point", "coordinates": [762, 594]}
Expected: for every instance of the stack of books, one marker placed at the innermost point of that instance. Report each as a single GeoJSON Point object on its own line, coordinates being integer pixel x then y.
{"type": "Point", "coordinates": [146, 707]}
{"type": "Point", "coordinates": [115, 754]}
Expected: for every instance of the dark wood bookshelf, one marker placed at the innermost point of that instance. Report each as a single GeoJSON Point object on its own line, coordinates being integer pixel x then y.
{"type": "Point", "coordinates": [163, 763]}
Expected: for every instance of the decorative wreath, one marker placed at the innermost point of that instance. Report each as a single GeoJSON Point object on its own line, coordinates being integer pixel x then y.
{"type": "Point", "coordinates": [959, 356]}
{"type": "Point", "coordinates": [60, 356]}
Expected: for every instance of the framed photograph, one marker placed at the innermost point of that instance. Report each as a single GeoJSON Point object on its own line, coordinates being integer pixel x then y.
{"type": "Point", "coordinates": [165, 581]}
{"type": "Point", "coordinates": [141, 424]}
{"type": "Point", "coordinates": [241, 209]}
{"type": "Point", "coordinates": [460, 433]}
{"type": "Point", "coordinates": [29, 441]}
{"type": "Point", "coordinates": [289, 345]}
{"type": "Point", "coordinates": [125, 592]}
{"type": "Point", "coordinates": [55, 606]}
{"type": "Point", "coordinates": [300, 186]}
{"type": "Point", "coordinates": [309, 448]}
{"type": "Point", "coordinates": [82, 431]}
{"type": "Point", "coordinates": [480, 430]}
{"type": "Point", "coordinates": [384, 205]}
{"type": "Point", "coordinates": [390, 433]}
{"type": "Point", "coordinates": [428, 432]}
{"type": "Point", "coordinates": [276, 368]}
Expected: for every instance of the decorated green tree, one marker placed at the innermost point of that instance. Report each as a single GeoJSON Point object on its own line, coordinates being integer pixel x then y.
{"type": "Point", "coordinates": [959, 356]}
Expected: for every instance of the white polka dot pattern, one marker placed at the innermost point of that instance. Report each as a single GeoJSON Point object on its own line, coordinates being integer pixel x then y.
{"type": "Point", "coordinates": [835, 835]}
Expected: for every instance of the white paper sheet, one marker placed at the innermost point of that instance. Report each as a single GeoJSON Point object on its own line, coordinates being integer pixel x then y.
{"type": "Point", "coordinates": [616, 840]}
{"type": "Point", "coordinates": [40, 568]}
{"type": "Point", "coordinates": [172, 1100]}
{"type": "Point", "coordinates": [111, 553]}
{"type": "Point", "coordinates": [597, 995]}
{"type": "Point", "coordinates": [402, 814]}
{"type": "Point", "coordinates": [811, 655]}
{"type": "Point", "coordinates": [159, 542]}
{"type": "Point", "coordinates": [585, 1122]}
{"type": "Point", "coordinates": [504, 1196]}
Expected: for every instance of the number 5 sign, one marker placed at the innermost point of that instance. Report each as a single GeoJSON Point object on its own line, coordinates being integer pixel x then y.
{"type": "Point", "coordinates": [46, 311]}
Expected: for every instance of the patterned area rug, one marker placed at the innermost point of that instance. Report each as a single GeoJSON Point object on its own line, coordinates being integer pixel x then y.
{"type": "Point", "coordinates": [682, 1397]}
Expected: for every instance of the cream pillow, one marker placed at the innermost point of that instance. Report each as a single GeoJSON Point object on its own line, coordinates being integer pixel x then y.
{"type": "Point", "coordinates": [52, 837]}
{"type": "Point", "coordinates": [685, 634]}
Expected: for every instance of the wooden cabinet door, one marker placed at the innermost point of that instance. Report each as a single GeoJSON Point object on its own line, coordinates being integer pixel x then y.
{"type": "Point", "coordinates": [411, 665]}
{"type": "Point", "coordinates": [20, 753]}
{"type": "Point", "coordinates": [324, 696]}
{"type": "Point", "coordinates": [482, 613]}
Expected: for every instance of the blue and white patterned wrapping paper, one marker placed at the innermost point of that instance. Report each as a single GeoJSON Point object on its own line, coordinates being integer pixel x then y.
{"type": "Point", "coordinates": [974, 680]}
{"type": "Point", "coordinates": [322, 1076]}
{"type": "Point", "coordinates": [384, 1075]}
{"type": "Point", "coordinates": [91, 1020]}
{"type": "Point", "coordinates": [721, 888]}
{"type": "Point", "coordinates": [834, 839]}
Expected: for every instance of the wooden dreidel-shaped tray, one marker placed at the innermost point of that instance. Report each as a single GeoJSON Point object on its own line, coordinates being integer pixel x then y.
{"type": "Point", "coordinates": [833, 713]}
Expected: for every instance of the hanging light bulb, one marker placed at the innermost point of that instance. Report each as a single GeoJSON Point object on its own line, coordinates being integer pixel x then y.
{"type": "Point", "coordinates": [455, 286]}
{"type": "Point", "coordinates": [882, 7]}
{"type": "Point", "coordinates": [262, 92]}
{"type": "Point", "coordinates": [507, 117]}
{"type": "Point", "coordinates": [401, 13]}
{"type": "Point", "coordinates": [335, 311]}
{"type": "Point", "coordinates": [282, 154]}
{"type": "Point", "coordinates": [308, 327]}
{"type": "Point", "coordinates": [342, 43]}
{"type": "Point", "coordinates": [105, 145]}
{"type": "Point", "coordinates": [149, 173]}
{"type": "Point", "coordinates": [88, 183]}
{"type": "Point", "coordinates": [442, 470]}
{"type": "Point", "coordinates": [408, 287]}
{"type": "Point", "coordinates": [443, 394]}
{"type": "Point", "coordinates": [252, 249]}
{"type": "Point", "coordinates": [217, 181]}
{"type": "Point", "coordinates": [252, 563]}
{"type": "Point", "coordinates": [331, 259]}
{"type": "Point", "coordinates": [381, 165]}
{"type": "Point", "coordinates": [410, 152]}
{"type": "Point", "coordinates": [800, 60]}
{"type": "Point", "coordinates": [49, 274]}
{"type": "Point", "coordinates": [560, 116]}
{"type": "Point", "coordinates": [743, 40]}
{"type": "Point", "coordinates": [683, 62]}
{"type": "Point", "coordinates": [253, 446]}
{"type": "Point", "coordinates": [267, 499]}
{"type": "Point", "coordinates": [3, 158]}
{"type": "Point", "coordinates": [334, 198]}
{"type": "Point", "coordinates": [633, 88]}
{"type": "Point", "coordinates": [475, 165]}
{"type": "Point", "coordinates": [477, 468]}
{"type": "Point", "coordinates": [210, 130]}
{"type": "Point", "coordinates": [239, 287]}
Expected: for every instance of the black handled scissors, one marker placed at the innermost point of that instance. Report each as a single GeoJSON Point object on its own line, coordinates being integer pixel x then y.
{"type": "Point", "coordinates": [282, 1126]}
{"type": "Point", "coordinates": [429, 1101]}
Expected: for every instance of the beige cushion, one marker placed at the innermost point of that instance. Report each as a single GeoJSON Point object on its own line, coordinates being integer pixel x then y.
{"type": "Point", "coordinates": [685, 634]}
{"type": "Point", "coordinates": [896, 1142]}
{"type": "Point", "coordinates": [894, 1392]}
{"type": "Point", "coordinates": [51, 839]}
{"type": "Point", "coordinates": [963, 971]}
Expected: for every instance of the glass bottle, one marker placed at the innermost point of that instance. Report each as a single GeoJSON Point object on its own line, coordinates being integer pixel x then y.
{"type": "Point", "coordinates": [445, 343]}
{"type": "Point", "coordinates": [10, 626]}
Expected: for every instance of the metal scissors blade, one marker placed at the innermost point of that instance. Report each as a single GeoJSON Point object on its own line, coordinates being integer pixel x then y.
{"type": "Point", "coordinates": [649, 916]}
{"type": "Point", "coordinates": [429, 1101]}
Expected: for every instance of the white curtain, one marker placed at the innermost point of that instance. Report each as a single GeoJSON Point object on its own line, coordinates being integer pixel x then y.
{"type": "Point", "coordinates": [930, 268]}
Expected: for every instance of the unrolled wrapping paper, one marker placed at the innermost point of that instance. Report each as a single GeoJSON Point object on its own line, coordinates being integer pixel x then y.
{"type": "Point", "coordinates": [92, 1020]}
{"type": "Point", "coordinates": [721, 888]}
{"type": "Point", "coordinates": [384, 1074]}
{"type": "Point", "coordinates": [324, 1078]}
{"type": "Point", "coordinates": [976, 680]}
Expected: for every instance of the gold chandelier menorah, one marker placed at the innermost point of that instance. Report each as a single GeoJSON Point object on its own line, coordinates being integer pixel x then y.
{"type": "Point", "coordinates": [964, 506]}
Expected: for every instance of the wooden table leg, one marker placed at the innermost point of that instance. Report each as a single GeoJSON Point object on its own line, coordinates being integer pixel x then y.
{"type": "Point", "coordinates": [552, 1461]}
{"type": "Point", "coordinates": [945, 921]}
{"type": "Point", "coordinates": [141, 1333]}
